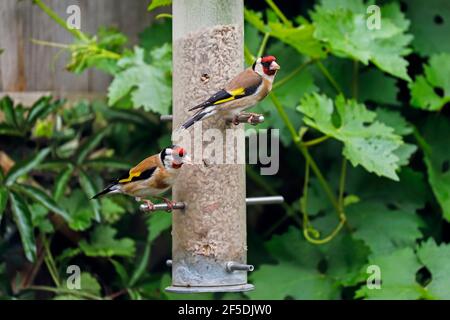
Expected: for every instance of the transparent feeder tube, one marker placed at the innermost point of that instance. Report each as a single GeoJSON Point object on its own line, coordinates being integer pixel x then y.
{"type": "Point", "coordinates": [211, 232]}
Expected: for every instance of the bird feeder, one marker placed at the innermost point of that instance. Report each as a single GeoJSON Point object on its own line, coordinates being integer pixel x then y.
{"type": "Point", "coordinates": [209, 250]}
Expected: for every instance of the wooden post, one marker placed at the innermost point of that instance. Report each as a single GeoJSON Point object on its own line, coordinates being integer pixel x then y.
{"type": "Point", "coordinates": [208, 236]}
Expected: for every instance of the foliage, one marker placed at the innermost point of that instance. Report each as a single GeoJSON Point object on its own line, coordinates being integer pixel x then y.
{"type": "Point", "coordinates": [376, 99]}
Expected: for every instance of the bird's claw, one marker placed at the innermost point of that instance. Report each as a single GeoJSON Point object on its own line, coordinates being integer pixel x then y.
{"type": "Point", "coordinates": [170, 204]}
{"type": "Point", "coordinates": [150, 205]}
{"type": "Point", "coordinates": [235, 120]}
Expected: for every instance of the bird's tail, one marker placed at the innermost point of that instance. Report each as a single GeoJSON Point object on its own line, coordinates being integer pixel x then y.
{"type": "Point", "coordinates": [112, 188]}
{"type": "Point", "coordinates": [205, 113]}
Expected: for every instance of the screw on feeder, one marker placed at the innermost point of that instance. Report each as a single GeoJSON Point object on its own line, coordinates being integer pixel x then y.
{"type": "Point", "coordinates": [169, 263]}
{"type": "Point", "coordinates": [234, 266]}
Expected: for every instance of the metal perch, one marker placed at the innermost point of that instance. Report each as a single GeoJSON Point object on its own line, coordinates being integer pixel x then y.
{"type": "Point", "coordinates": [248, 201]}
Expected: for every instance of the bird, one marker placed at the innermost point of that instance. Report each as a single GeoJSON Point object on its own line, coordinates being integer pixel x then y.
{"type": "Point", "coordinates": [242, 92]}
{"type": "Point", "coordinates": [151, 177]}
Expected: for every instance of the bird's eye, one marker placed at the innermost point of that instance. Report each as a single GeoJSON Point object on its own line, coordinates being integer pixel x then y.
{"type": "Point", "coordinates": [266, 64]}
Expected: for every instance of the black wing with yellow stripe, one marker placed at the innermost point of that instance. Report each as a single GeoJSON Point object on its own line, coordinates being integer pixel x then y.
{"type": "Point", "coordinates": [136, 176]}
{"type": "Point", "coordinates": [223, 96]}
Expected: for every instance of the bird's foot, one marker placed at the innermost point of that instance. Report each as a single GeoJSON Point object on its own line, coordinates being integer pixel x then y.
{"type": "Point", "coordinates": [235, 120]}
{"type": "Point", "coordinates": [150, 205]}
{"type": "Point", "coordinates": [170, 204]}
{"type": "Point", "coordinates": [253, 118]}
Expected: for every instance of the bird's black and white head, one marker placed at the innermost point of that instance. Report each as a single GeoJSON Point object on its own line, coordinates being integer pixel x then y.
{"type": "Point", "coordinates": [266, 67]}
{"type": "Point", "coordinates": [174, 157]}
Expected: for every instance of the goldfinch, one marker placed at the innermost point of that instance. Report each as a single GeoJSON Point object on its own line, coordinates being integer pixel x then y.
{"type": "Point", "coordinates": [151, 177]}
{"type": "Point", "coordinates": [242, 92]}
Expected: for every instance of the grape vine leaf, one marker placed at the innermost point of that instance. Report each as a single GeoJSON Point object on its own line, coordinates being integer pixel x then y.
{"type": "Point", "coordinates": [398, 276]}
{"type": "Point", "coordinates": [296, 275]}
{"type": "Point", "coordinates": [437, 160]}
{"type": "Point", "coordinates": [401, 127]}
{"type": "Point", "coordinates": [103, 243]}
{"type": "Point", "coordinates": [367, 142]}
{"type": "Point", "coordinates": [384, 230]}
{"type": "Point", "coordinates": [431, 91]}
{"type": "Point", "coordinates": [436, 259]}
{"type": "Point", "coordinates": [342, 25]}
{"type": "Point", "coordinates": [148, 84]}
{"type": "Point", "coordinates": [377, 87]}
{"type": "Point", "coordinates": [299, 37]}
{"type": "Point", "coordinates": [430, 25]}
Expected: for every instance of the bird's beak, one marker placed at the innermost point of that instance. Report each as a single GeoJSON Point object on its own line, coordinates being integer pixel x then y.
{"type": "Point", "coordinates": [274, 66]}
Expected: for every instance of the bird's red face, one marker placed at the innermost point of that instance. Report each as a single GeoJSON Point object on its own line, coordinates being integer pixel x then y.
{"type": "Point", "coordinates": [269, 65]}
{"type": "Point", "coordinates": [179, 156]}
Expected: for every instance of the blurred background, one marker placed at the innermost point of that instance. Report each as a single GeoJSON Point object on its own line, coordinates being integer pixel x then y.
{"type": "Point", "coordinates": [369, 106]}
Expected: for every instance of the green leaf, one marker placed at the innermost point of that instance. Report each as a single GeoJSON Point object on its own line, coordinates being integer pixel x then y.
{"type": "Point", "coordinates": [22, 168]}
{"type": "Point", "coordinates": [41, 197]}
{"type": "Point", "coordinates": [377, 87]}
{"type": "Point", "coordinates": [367, 142]}
{"type": "Point", "coordinates": [148, 84]}
{"type": "Point", "coordinates": [39, 218]}
{"type": "Point", "coordinates": [436, 259]}
{"type": "Point", "coordinates": [8, 130]}
{"type": "Point", "coordinates": [107, 163]}
{"type": "Point", "coordinates": [81, 212]}
{"type": "Point", "coordinates": [7, 106]}
{"type": "Point", "coordinates": [121, 271]}
{"type": "Point", "coordinates": [3, 201]}
{"type": "Point", "coordinates": [437, 160]}
{"type": "Point", "coordinates": [111, 211]}
{"type": "Point", "coordinates": [89, 284]}
{"type": "Point", "coordinates": [398, 276]}
{"type": "Point", "coordinates": [395, 120]}
{"type": "Point", "coordinates": [296, 275]}
{"type": "Point", "coordinates": [155, 35]}
{"type": "Point", "coordinates": [300, 38]}
{"type": "Point", "coordinates": [42, 107]}
{"type": "Point", "coordinates": [90, 145]}
{"type": "Point", "coordinates": [423, 89]}
{"type": "Point", "coordinates": [61, 182]}
{"type": "Point", "coordinates": [22, 218]}
{"type": "Point", "coordinates": [343, 27]}
{"type": "Point", "coordinates": [90, 190]}
{"type": "Point", "coordinates": [103, 243]}
{"type": "Point", "coordinates": [430, 36]}
{"type": "Point", "coordinates": [383, 230]}
{"type": "Point", "coordinates": [158, 3]}
{"type": "Point", "coordinates": [157, 223]}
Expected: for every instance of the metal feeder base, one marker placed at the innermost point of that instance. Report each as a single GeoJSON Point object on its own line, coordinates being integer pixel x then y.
{"type": "Point", "coordinates": [235, 288]}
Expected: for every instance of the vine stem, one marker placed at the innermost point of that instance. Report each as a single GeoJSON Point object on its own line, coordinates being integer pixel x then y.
{"type": "Point", "coordinates": [263, 45]}
{"type": "Point", "coordinates": [304, 150]}
{"type": "Point", "coordinates": [330, 78]}
{"type": "Point", "coordinates": [50, 262]}
{"type": "Point", "coordinates": [342, 184]}
{"type": "Point", "coordinates": [52, 14]}
{"type": "Point", "coordinates": [278, 12]}
{"type": "Point", "coordinates": [307, 227]}
{"type": "Point", "coordinates": [317, 141]}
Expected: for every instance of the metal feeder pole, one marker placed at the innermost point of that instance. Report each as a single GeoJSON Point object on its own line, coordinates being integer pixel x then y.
{"type": "Point", "coordinates": [209, 249]}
